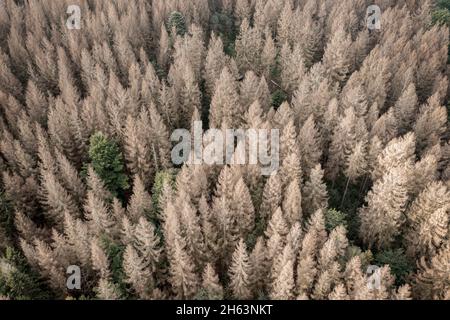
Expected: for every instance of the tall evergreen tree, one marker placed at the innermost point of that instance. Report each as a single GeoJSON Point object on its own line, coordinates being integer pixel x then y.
{"type": "Point", "coordinates": [240, 272]}
{"type": "Point", "coordinates": [107, 161]}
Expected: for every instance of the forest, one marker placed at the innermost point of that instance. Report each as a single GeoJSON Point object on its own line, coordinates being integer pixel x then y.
{"type": "Point", "coordinates": [91, 92]}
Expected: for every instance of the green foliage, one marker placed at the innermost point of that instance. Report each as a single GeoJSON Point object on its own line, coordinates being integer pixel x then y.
{"type": "Point", "coordinates": [6, 218]}
{"type": "Point", "coordinates": [107, 161]}
{"type": "Point", "coordinates": [354, 199]}
{"type": "Point", "coordinates": [262, 296]}
{"type": "Point", "coordinates": [441, 17]}
{"type": "Point", "coordinates": [177, 21]}
{"type": "Point", "coordinates": [334, 218]}
{"type": "Point", "coordinates": [260, 227]}
{"type": "Point", "coordinates": [160, 72]}
{"type": "Point", "coordinates": [278, 97]}
{"type": "Point", "coordinates": [206, 102]}
{"type": "Point", "coordinates": [203, 294]}
{"type": "Point", "coordinates": [161, 177]}
{"type": "Point", "coordinates": [443, 4]}
{"type": "Point", "coordinates": [115, 252]}
{"type": "Point", "coordinates": [18, 281]}
{"type": "Point", "coordinates": [223, 25]}
{"type": "Point", "coordinates": [256, 192]}
{"type": "Point", "coordinates": [275, 70]}
{"type": "Point", "coordinates": [400, 265]}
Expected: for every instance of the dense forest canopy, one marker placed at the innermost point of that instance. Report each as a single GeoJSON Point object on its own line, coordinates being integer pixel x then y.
{"type": "Point", "coordinates": [90, 96]}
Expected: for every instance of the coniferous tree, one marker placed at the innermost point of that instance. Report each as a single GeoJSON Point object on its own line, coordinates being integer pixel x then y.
{"type": "Point", "coordinates": [99, 215]}
{"type": "Point", "coordinates": [292, 202]}
{"type": "Point", "coordinates": [292, 67]}
{"type": "Point", "coordinates": [140, 202]}
{"type": "Point", "coordinates": [215, 61]}
{"type": "Point", "coordinates": [136, 150]}
{"type": "Point", "coordinates": [177, 22]}
{"type": "Point", "coordinates": [405, 108]}
{"type": "Point", "coordinates": [336, 56]}
{"type": "Point", "coordinates": [245, 212]}
{"type": "Point", "coordinates": [259, 263]}
{"type": "Point", "coordinates": [339, 293]}
{"type": "Point", "coordinates": [183, 278]}
{"type": "Point", "coordinates": [137, 275]}
{"type": "Point", "coordinates": [242, 9]}
{"type": "Point", "coordinates": [107, 290]}
{"type": "Point", "coordinates": [271, 198]}
{"type": "Point", "coordinates": [213, 289]}
{"type": "Point", "coordinates": [310, 145]}
{"type": "Point", "coordinates": [432, 278]}
{"type": "Point", "coordinates": [107, 162]}
{"type": "Point", "coordinates": [383, 216]}
{"type": "Point", "coordinates": [268, 55]}
{"type": "Point", "coordinates": [430, 124]}
{"type": "Point", "coordinates": [427, 221]}
{"type": "Point", "coordinates": [342, 142]}
{"type": "Point", "coordinates": [17, 280]}
{"type": "Point", "coordinates": [225, 106]}
{"type": "Point", "coordinates": [315, 191]}
{"type": "Point", "coordinates": [248, 47]}
{"type": "Point", "coordinates": [398, 152]}
{"type": "Point", "coordinates": [283, 287]}
{"type": "Point", "coordinates": [306, 268]}
{"type": "Point", "coordinates": [240, 272]}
